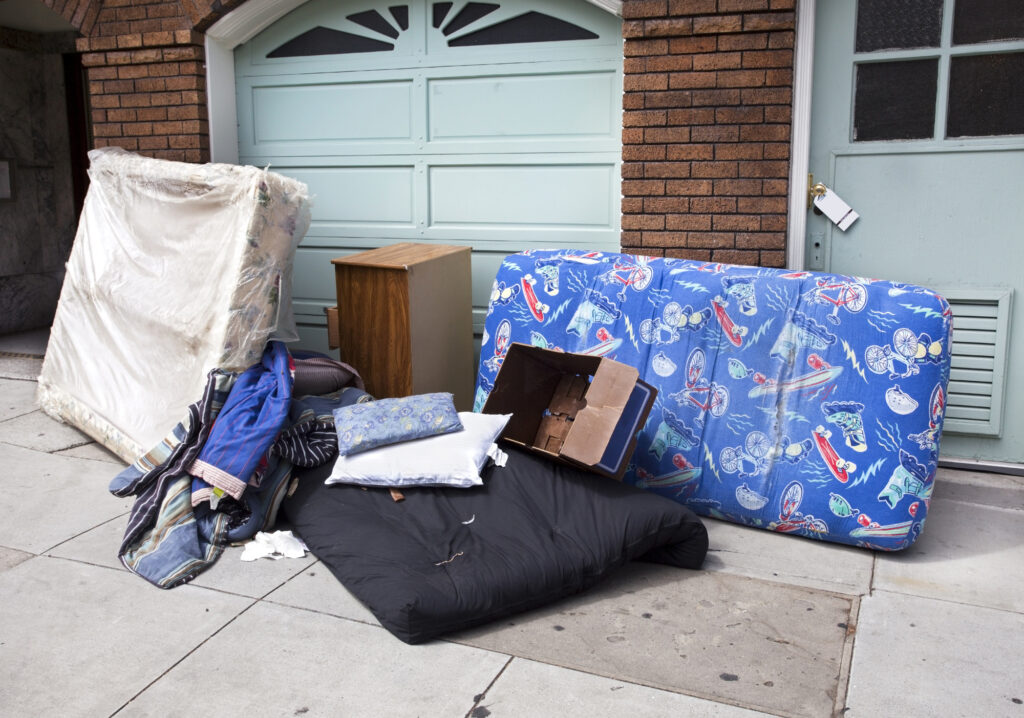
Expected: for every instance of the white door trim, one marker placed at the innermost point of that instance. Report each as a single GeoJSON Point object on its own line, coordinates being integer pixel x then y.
{"type": "Point", "coordinates": [239, 26]}
{"type": "Point", "coordinates": [800, 136]}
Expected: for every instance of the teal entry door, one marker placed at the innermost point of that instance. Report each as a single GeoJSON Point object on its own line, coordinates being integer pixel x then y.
{"type": "Point", "coordinates": [918, 124]}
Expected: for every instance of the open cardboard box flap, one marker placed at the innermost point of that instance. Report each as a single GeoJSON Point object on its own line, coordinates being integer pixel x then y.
{"type": "Point", "coordinates": [569, 406]}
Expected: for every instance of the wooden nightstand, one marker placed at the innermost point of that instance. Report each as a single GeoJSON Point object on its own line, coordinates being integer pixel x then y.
{"type": "Point", "coordinates": [405, 319]}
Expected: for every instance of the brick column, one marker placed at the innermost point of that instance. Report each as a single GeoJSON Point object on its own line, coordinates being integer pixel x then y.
{"type": "Point", "coordinates": [147, 93]}
{"type": "Point", "coordinates": [706, 129]}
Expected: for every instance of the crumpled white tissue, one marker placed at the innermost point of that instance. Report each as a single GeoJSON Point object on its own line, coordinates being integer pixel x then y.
{"type": "Point", "coordinates": [280, 544]}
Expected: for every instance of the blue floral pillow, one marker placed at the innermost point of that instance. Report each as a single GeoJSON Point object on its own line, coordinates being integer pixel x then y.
{"type": "Point", "coordinates": [388, 421]}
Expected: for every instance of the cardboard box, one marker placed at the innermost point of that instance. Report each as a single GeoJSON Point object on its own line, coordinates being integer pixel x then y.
{"type": "Point", "coordinates": [578, 409]}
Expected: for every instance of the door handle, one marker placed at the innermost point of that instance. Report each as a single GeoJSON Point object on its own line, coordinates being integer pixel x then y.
{"type": "Point", "coordinates": [814, 190]}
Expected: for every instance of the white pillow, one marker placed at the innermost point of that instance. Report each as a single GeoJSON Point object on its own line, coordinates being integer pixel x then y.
{"type": "Point", "coordinates": [454, 459]}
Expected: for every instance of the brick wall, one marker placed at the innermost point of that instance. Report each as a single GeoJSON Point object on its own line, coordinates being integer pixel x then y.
{"type": "Point", "coordinates": [147, 92]}
{"type": "Point", "coordinates": [706, 127]}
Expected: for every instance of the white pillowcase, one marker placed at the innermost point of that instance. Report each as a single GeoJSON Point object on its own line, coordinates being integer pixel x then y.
{"type": "Point", "coordinates": [454, 459]}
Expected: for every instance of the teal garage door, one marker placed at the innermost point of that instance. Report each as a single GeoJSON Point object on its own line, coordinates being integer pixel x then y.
{"type": "Point", "coordinates": [491, 125]}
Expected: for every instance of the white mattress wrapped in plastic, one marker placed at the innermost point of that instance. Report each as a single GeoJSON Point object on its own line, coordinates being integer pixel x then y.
{"type": "Point", "coordinates": [176, 269]}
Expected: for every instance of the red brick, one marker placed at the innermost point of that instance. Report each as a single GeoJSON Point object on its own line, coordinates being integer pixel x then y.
{"type": "Point", "coordinates": [93, 59]}
{"type": "Point", "coordinates": [122, 115]}
{"type": "Point", "coordinates": [639, 83]}
{"type": "Point", "coordinates": [186, 112]}
{"type": "Point", "coordinates": [136, 100]}
{"type": "Point", "coordinates": [668, 63]}
{"type": "Point", "coordinates": [148, 55]}
{"type": "Point", "coordinates": [663, 239]}
{"type": "Point", "coordinates": [710, 239]}
{"type": "Point", "coordinates": [735, 256]}
{"type": "Point", "coordinates": [718, 61]}
{"type": "Point", "coordinates": [107, 130]}
{"type": "Point", "coordinates": [688, 222]}
{"type": "Point", "coordinates": [715, 133]}
{"type": "Point", "coordinates": [632, 9]}
{"type": "Point", "coordinates": [783, 4]}
{"type": "Point", "coordinates": [152, 114]}
{"type": "Point", "coordinates": [668, 99]}
{"type": "Point", "coordinates": [632, 136]}
{"type": "Point", "coordinates": [642, 152]}
{"type": "Point", "coordinates": [666, 205]}
{"type": "Point", "coordinates": [120, 57]}
{"type": "Point", "coordinates": [713, 170]}
{"type": "Point", "coordinates": [643, 118]}
{"type": "Point", "coordinates": [774, 223]}
{"type": "Point", "coordinates": [691, 116]}
{"type": "Point", "coordinates": [138, 128]}
{"type": "Point", "coordinates": [691, 80]}
{"type": "Point", "coordinates": [693, 255]}
{"type": "Point", "coordinates": [764, 133]}
{"type": "Point", "coordinates": [634, 65]}
{"type": "Point", "coordinates": [715, 98]}
{"type": "Point", "coordinates": [773, 259]}
{"type": "Point", "coordinates": [632, 170]}
{"type": "Point", "coordinates": [638, 48]}
{"type": "Point", "coordinates": [118, 86]}
{"type": "Point", "coordinates": [780, 114]}
{"type": "Point", "coordinates": [755, 22]}
{"type": "Point", "coordinates": [690, 151]}
{"type": "Point", "coordinates": [192, 68]}
{"type": "Point", "coordinates": [667, 170]}
{"type": "Point", "coordinates": [102, 73]}
{"type": "Point", "coordinates": [178, 54]}
{"type": "Point", "coordinates": [633, 101]}
{"type": "Point", "coordinates": [718, 24]}
{"type": "Point", "coordinates": [672, 27]}
{"type": "Point", "coordinates": [130, 72]}
{"type": "Point", "coordinates": [736, 222]}
{"type": "Point", "coordinates": [184, 142]}
{"type": "Point", "coordinates": [643, 221]}
{"type": "Point", "coordinates": [630, 238]}
{"type": "Point", "coordinates": [766, 96]}
{"type": "Point", "coordinates": [742, 78]}
{"type": "Point", "coordinates": [768, 58]}
{"type": "Point", "coordinates": [98, 116]}
{"type": "Point", "coordinates": [192, 97]}
{"type": "Point", "coordinates": [739, 115]}
{"type": "Point", "coordinates": [104, 101]}
{"type": "Point", "coordinates": [692, 45]}
{"type": "Point", "coordinates": [164, 69]}
{"type": "Point", "coordinates": [156, 39]}
{"type": "Point", "coordinates": [633, 29]}
{"type": "Point", "coordinates": [649, 188]}
{"type": "Point", "coordinates": [188, 37]}
{"type": "Point", "coordinates": [158, 142]}
{"type": "Point", "coordinates": [632, 205]}
{"type": "Point", "coordinates": [168, 127]}
{"type": "Point", "coordinates": [774, 78]}
{"type": "Point", "coordinates": [688, 188]}
{"type": "Point", "coordinates": [760, 240]}
{"type": "Point", "coordinates": [151, 84]}
{"type": "Point", "coordinates": [767, 168]}
{"type": "Point", "coordinates": [666, 135]}
{"type": "Point", "coordinates": [775, 187]}
{"type": "Point", "coordinates": [745, 41]}
{"type": "Point", "coordinates": [691, 7]}
{"type": "Point", "coordinates": [781, 39]}
{"type": "Point", "coordinates": [742, 5]}
{"type": "Point", "coordinates": [166, 98]}
{"type": "Point", "coordinates": [713, 205]}
{"type": "Point", "coordinates": [163, 10]}
{"type": "Point", "coordinates": [739, 151]}
{"type": "Point", "coordinates": [131, 13]}
{"type": "Point", "coordinates": [737, 187]}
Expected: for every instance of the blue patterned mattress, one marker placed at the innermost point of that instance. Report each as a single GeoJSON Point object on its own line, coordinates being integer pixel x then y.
{"type": "Point", "coordinates": [798, 402]}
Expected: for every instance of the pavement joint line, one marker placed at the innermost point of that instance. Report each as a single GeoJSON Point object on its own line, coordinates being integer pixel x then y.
{"type": "Point", "coordinates": [480, 696]}
{"type": "Point", "coordinates": [186, 656]}
{"type": "Point", "coordinates": [846, 659]}
{"type": "Point", "coordinates": [965, 604]}
{"type": "Point", "coordinates": [82, 533]}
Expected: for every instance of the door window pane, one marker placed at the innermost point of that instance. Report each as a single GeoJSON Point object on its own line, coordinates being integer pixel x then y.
{"type": "Point", "coordinates": [898, 24]}
{"type": "Point", "coordinates": [986, 95]}
{"type": "Point", "coordinates": [987, 20]}
{"type": "Point", "coordinates": [895, 100]}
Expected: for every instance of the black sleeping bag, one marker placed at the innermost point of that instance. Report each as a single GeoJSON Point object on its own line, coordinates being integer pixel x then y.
{"type": "Point", "coordinates": [449, 558]}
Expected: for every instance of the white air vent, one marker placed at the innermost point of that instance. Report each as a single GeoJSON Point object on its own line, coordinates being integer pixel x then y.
{"type": "Point", "coordinates": [981, 325]}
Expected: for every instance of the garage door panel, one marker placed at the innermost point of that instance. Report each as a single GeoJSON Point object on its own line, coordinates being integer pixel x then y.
{"type": "Point", "coordinates": [560, 106]}
{"type": "Point", "coordinates": [521, 196]}
{"type": "Point", "coordinates": [315, 113]}
{"type": "Point", "coordinates": [369, 196]}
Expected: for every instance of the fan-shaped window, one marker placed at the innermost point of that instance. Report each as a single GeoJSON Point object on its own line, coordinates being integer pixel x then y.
{"type": "Point", "coordinates": [529, 27]}
{"type": "Point", "coordinates": [325, 41]}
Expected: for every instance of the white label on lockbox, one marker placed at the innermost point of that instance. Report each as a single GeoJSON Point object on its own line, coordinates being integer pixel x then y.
{"type": "Point", "coordinates": [836, 209]}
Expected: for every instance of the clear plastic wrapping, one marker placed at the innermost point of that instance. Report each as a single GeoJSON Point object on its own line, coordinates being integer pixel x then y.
{"type": "Point", "coordinates": [176, 269]}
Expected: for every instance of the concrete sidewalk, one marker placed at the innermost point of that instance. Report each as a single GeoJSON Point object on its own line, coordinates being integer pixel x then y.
{"type": "Point", "coordinates": [774, 625]}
